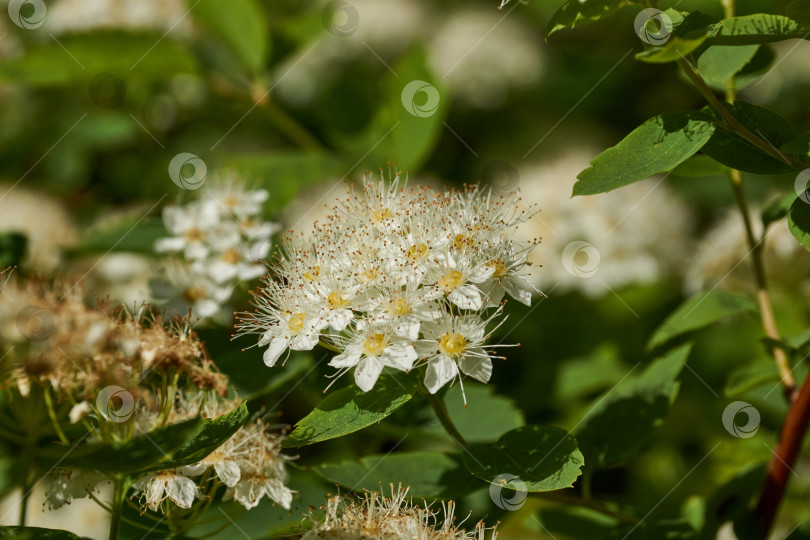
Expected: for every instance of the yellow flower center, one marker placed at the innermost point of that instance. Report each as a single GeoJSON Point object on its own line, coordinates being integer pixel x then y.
{"type": "Point", "coordinates": [296, 322]}
{"type": "Point", "coordinates": [399, 307]}
{"type": "Point", "coordinates": [450, 281]}
{"type": "Point", "coordinates": [417, 252]}
{"type": "Point", "coordinates": [452, 344]}
{"type": "Point", "coordinates": [381, 214]}
{"type": "Point", "coordinates": [375, 345]}
{"type": "Point", "coordinates": [335, 299]}
{"type": "Point", "coordinates": [369, 274]}
{"type": "Point", "coordinates": [313, 273]}
{"type": "Point", "coordinates": [231, 202]}
{"type": "Point", "coordinates": [231, 256]}
{"type": "Point", "coordinates": [499, 266]}
{"type": "Point", "coordinates": [193, 294]}
{"type": "Point", "coordinates": [194, 235]}
{"type": "Point", "coordinates": [462, 242]}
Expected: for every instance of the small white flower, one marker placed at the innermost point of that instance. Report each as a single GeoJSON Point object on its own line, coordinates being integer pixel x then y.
{"type": "Point", "coordinates": [190, 226]}
{"type": "Point", "coordinates": [370, 350]}
{"type": "Point", "coordinates": [79, 411]}
{"type": "Point", "coordinates": [158, 487]}
{"type": "Point", "coordinates": [63, 485]}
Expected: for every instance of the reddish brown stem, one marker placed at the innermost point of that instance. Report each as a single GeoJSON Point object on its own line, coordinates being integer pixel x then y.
{"type": "Point", "coordinates": [781, 466]}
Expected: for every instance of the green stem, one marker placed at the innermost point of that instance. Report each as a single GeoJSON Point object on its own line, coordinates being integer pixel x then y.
{"type": "Point", "coordinates": [440, 409]}
{"type": "Point", "coordinates": [52, 415]}
{"type": "Point", "coordinates": [120, 486]}
{"type": "Point", "coordinates": [26, 493]}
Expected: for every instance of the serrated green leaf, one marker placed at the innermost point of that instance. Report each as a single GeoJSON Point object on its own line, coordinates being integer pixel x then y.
{"type": "Point", "coordinates": [241, 25]}
{"type": "Point", "coordinates": [350, 409]}
{"type": "Point", "coordinates": [623, 417]}
{"type": "Point", "coordinates": [36, 533]}
{"type": "Point", "coordinates": [756, 29]}
{"type": "Point", "coordinates": [428, 474]}
{"type": "Point", "coordinates": [176, 445]}
{"type": "Point", "coordinates": [701, 310]}
{"type": "Point", "coordinates": [576, 13]}
{"type": "Point", "coordinates": [544, 458]}
{"type": "Point", "coordinates": [732, 150]}
{"type": "Point", "coordinates": [486, 416]}
{"type": "Point", "coordinates": [658, 145]}
{"type": "Point", "coordinates": [719, 63]}
{"type": "Point", "coordinates": [799, 220]}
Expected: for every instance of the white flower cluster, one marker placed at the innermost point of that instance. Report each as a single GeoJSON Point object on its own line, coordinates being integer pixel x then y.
{"type": "Point", "coordinates": [221, 239]}
{"type": "Point", "coordinates": [399, 278]}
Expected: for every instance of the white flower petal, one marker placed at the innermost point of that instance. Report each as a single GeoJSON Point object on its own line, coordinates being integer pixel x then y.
{"type": "Point", "coordinates": [466, 297]}
{"type": "Point", "coordinates": [182, 491]}
{"type": "Point", "coordinates": [347, 358]}
{"type": "Point", "coordinates": [228, 472]}
{"type": "Point", "coordinates": [439, 372]}
{"type": "Point", "coordinates": [367, 372]}
{"type": "Point", "coordinates": [400, 355]}
{"type": "Point", "coordinates": [477, 364]}
{"type": "Point", "coordinates": [519, 289]}
{"type": "Point", "coordinates": [277, 347]}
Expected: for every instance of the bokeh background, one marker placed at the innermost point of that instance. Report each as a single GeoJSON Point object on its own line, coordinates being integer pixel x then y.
{"type": "Point", "coordinates": [98, 96]}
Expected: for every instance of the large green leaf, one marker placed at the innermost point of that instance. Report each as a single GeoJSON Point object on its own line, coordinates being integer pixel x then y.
{"type": "Point", "coordinates": [699, 311]}
{"type": "Point", "coordinates": [799, 220]}
{"type": "Point", "coordinates": [241, 25]}
{"type": "Point", "coordinates": [544, 458]}
{"type": "Point", "coordinates": [486, 416]}
{"type": "Point", "coordinates": [732, 150]}
{"type": "Point", "coordinates": [623, 418]}
{"type": "Point", "coordinates": [749, 376]}
{"type": "Point", "coordinates": [756, 29]}
{"type": "Point", "coordinates": [350, 409]}
{"type": "Point", "coordinates": [674, 49]}
{"type": "Point", "coordinates": [719, 63]}
{"type": "Point", "coordinates": [36, 533]}
{"type": "Point", "coordinates": [429, 474]}
{"type": "Point", "coordinates": [658, 145]}
{"type": "Point", "coordinates": [121, 54]}
{"type": "Point", "coordinates": [578, 12]}
{"type": "Point", "coordinates": [173, 446]}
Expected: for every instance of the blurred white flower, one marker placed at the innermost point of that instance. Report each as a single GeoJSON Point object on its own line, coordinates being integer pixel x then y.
{"type": "Point", "coordinates": [82, 15]}
{"type": "Point", "coordinates": [723, 258]}
{"type": "Point", "coordinates": [42, 219]}
{"type": "Point", "coordinates": [635, 234]}
{"type": "Point", "coordinates": [789, 69]}
{"type": "Point", "coordinates": [483, 54]}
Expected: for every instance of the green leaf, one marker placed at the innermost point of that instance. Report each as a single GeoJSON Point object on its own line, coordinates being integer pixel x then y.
{"type": "Point", "coordinates": [12, 249]}
{"type": "Point", "coordinates": [429, 474]}
{"type": "Point", "coordinates": [176, 445]}
{"type": "Point", "coordinates": [544, 458]}
{"type": "Point", "coordinates": [36, 533]}
{"type": "Point", "coordinates": [626, 415]}
{"type": "Point", "coordinates": [350, 409]}
{"type": "Point", "coordinates": [777, 209]}
{"type": "Point", "coordinates": [719, 63]}
{"type": "Point", "coordinates": [133, 234]}
{"type": "Point", "coordinates": [674, 49]}
{"type": "Point", "coordinates": [800, 146]}
{"type": "Point", "coordinates": [242, 25]}
{"type": "Point", "coordinates": [732, 150]}
{"type": "Point", "coordinates": [658, 145]}
{"type": "Point", "coordinates": [733, 498]}
{"type": "Point", "coordinates": [750, 376]}
{"type": "Point", "coordinates": [487, 415]}
{"type": "Point", "coordinates": [573, 522]}
{"type": "Point", "coordinates": [700, 166]}
{"type": "Point", "coordinates": [576, 13]}
{"type": "Point", "coordinates": [580, 377]}
{"type": "Point", "coordinates": [756, 29]}
{"type": "Point", "coordinates": [701, 310]}
{"type": "Point", "coordinates": [124, 55]}
{"type": "Point", "coordinates": [799, 220]}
